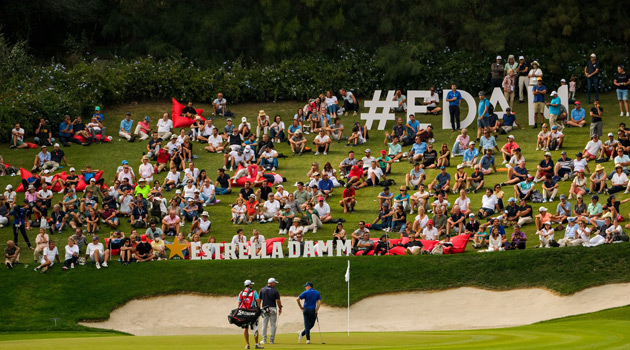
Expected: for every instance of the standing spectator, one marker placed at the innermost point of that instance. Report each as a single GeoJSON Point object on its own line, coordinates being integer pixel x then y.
{"type": "Point", "coordinates": [125, 128]}
{"type": "Point", "coordinates": [483, 121]}
{"type": "Point", "coordinates": [43, 133]}
{"type": "Point", "coordinates": [454, 99]}
{"type": "Point", "coordinates": [534, 74]}
{"type": "Point", "coordinates": [19, 222]}
{"type": "Point", "coordinates": [596, 119]}
{"type": "Point", "coordinates": [164, 127]}
{"type": "Point", "coordinates": [498, 72]}
{"type": "Point", "coordinates": [17, 137]}
{"type": "Point", "coordinates": [539, 90]}
{"type": "Point", "coordinates": [522, 71]}
{"type": "Point", "coordinates": [621, 82]}
{"type": "Point", "coordinates": [508, 87]}
{"type": "Point", "coordinates": [554, 111]}
{"type": "Point", "coordinates": [591, 71]}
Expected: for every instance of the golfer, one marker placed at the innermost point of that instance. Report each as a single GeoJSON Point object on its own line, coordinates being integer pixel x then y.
{"type": "Point", "coordinates": [246, 300]}
{"type": "Point", "coordinates": [312, 302]}
{"type": "Point", "coordinates": [272, 308]}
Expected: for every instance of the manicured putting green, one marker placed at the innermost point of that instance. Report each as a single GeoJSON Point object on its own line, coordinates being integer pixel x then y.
{"type": "Point", "coordinates": [608, 329]}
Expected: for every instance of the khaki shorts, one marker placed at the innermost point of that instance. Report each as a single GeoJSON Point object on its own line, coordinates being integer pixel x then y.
{"type": "Point", "coordinates": [539, 107]}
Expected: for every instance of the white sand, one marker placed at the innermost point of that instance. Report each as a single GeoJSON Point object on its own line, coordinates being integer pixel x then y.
{"type": "Point", "coordinates": [454, 309]}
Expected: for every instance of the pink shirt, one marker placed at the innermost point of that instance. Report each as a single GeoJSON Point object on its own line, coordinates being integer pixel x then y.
{"type": "Point", "coordinates": [171, 221]}
{"type": "Point", "coordinates": [463, 141]}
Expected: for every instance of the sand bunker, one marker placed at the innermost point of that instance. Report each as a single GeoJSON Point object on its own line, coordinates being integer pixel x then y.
{"type": "Point", "coordinates": [454, 309]}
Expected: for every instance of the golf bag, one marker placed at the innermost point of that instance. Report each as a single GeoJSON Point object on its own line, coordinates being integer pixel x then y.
{"type": "Point", "coordinates": [244, 317]}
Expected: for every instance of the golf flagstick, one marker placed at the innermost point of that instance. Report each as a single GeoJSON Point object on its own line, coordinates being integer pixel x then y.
{"type": "Point", "coordinates": [348, 280]}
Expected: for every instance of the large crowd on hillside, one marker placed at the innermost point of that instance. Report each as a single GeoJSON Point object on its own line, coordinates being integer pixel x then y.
{"type": "Point", "coordinates": [167, 196]}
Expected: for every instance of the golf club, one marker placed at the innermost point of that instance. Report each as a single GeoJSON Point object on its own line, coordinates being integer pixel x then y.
{"type": "Point", "coordinates": [320, 330]}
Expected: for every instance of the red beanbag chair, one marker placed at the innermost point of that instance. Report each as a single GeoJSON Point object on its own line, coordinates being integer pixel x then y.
{"type": "Point", "coordinates": [241, 181]}
{"type": "Point", "coordinates": [24, 174]}
{"type": "Point", "coordinates": [428, 245]}
{"type": "Point", "coordinates": [396, 251]}
{"type": "Point", "coordinates": [112, 251]}
{"type": "Point", "coordinates": [269, 242]}
{"type": "Point", "coordinates": [32, 145]}
{"type": "Point", "coordinates": [459, 244]}
{"type": "Point", "coordinates": [178, 120]}
{"type": "Point", "coordinates": [57, 186]}
{"type": "Point", "coordinates": [98, 137]}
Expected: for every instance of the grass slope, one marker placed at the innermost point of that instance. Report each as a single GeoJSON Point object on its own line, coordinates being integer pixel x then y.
{"type": "Point", "coordinates": [31, 301]}
{"type": "Point", "coordinates": [600, 330]}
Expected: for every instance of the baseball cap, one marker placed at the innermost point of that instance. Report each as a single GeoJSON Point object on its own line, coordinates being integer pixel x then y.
{"type": "Point", "coordinates": [320, 199]}
{"type": "Point", "coordinates": [252, 196]}
{"type": "Point", "coordinates": [576, 102]}
{"type": "Point", "coordinates": [542, 209]}
{"type": "Point", "coordinates": [521, 57]}
{"type": "Point", "coordinates": [31, 187]}
{"type": "Point", "coordinates": [471, 143]}
{"type": "Point", "coordinates": [367, 150]}
{"type": "Point", "coordinates": [156, 235]}
{"type": "Point", "coordinates": [228, 120]}
{"type": "Point", "coordinates": [481, 93]}
{"type": "Point", "coordinates": [143, 238]}
{"type": "Point", "coordinates": [564, 153]}
{"type": "Point", "coordinates": [499, 57]}
{"type": "Point", "coordinates": [128, 113]}
{"type": "Point", "coordinates": [547, 223]}
{"type": "Point", "coordinates": [563, 80]}
{"type": "Point", "coordinates": [178, 191]}
{"type": "Point", "coordinates": [562, 196]}
{"type": "Point", "coordinates": [611, 134]}
{"type": "Point", "coordinates": [94, 180]}
{"type": "Point", "coordinates": [46, 171]}
{"type": "Point", "coordinates": [248, 282]}
{"type": "Point", "coordinates": [146, 117]}
{"type": "Point", "coordinates": [511, 137]}
{"type": "Point", "coordinates": [308, 284]}
{"type": "Point", "coordinates": [44, 146]}
{"type": "Point", "coordinates": [243, 119]}
{"type": "Point", "coordinates": [554, 128]}
{"type": "Point", "coordinates": [547, 154]}
{"type": "Point", "coordinates": [173, 137]}
{"type": "Point", "coordinates": [593, 55]}
{"type": "Point", "coordinates": [579, 154]}
{"type": "Point", "coordinates": [97, 108]}
{"type": "Point", "coordinates": [430, 222]}
{"type": "Point", "coordinates": [56, 145]}
{"type": "Point", "coordinates": [314, 174]}
{"type": "Point", "coordinates": [571, 219]}
{"type": "Point", "coordinates": [459, 166]}
{"type": "Point", "coordinates": [512, 199]}
{"type": "Point", "coordinates": [72, 169]}
{"type": "Point", "coordinates": [539, 78]}
{"type": "Point", "coordinates": [95, 238]}
{"type": "Point", "coordinates": [554, 93]}
{"type": "Point", "coordinates": [271, 280]}
{"type": "Point", "coordinates": [124, 162]}
{"type": "Point", "coordinates": [471, 215]}
{"type": "Point", "coordinates": [383, 151]}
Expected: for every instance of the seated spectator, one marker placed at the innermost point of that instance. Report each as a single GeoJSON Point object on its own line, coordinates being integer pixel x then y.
{"type": "Point", "coordinates": [578, 186]}
{"type": "Point", "coordinates": [593, 148]}
{"type": "Point", "coordinates": [17, 137]}
{"type": "Point", "coordinates": [489, 204]}
{"type": "Point", "coordinates": [475, 180]}
{"type": "Point", "coordinates": [144, 251]}
{"type": "Point", "coordinates": [487, 163]}
{"type": "Point", "coordinates": [578, 116]}
{"type": "Point", "coordinates": [363, 244]}
{"type": "Point", "coordinates": [462, 144]}
{"type": "Point", "coordinates": [125, 128]}
{"type": "Point", "coordinates": [143, 129]}
{"type": "Point", "coordinates": [415, 177]}
{"type": "Point", "coordinates": [323, 210]}
{"type": "Point", "coordinates": [470, 155]}
{"type": "Point", "coordinates": [159, 247]}
{"type": "Point", "coordinates": [97, 253]}
{"type": "Point", "coordinates": [550, 189]}
{"type": "Point", "coordinates": [509, 120]}
{"type": "Point", "coordinates": [598, 180]}
{"type": "Point", "coordinates": [495, 242]}
{"type": "Point", "coordinates": [563, 167]}
{"type": "Point", "coordinates": [338, 235]}
{"type": "Point", "coordinates": [414, 246]}
{"type": "Point", "coordinates": [545, 235]}
{"type": "Point", "coordinates": [456, 221]}
{"type": "Point", "coordinates": [619, 180]}
{"type": "Point", "coordinates": [570, 233]}
{"type": "Point", "coordinates": [222, 184]}
{"type": "Point", "coordinates": [555, 138]}
{"type": "Point", "coordinates": [215, 142]}
{"type": "Point", "coordinates": [563, 210]}
{"type": "Point", "coordinates": [171, 223]}
{"type": "Point", "coordinates": [430, 233]}
{"type": "Point", "coordinates": [542, 142]}
{"type": "Point", "coordinates": [12, 254]}
{"type": "Point", "coordinates": [350, 102]}
{"type": "Point", "coordinates": [374, 176]}
{"type": "Point", "coordinates": [269, 158]}
{"type": "Point", "coordinates": [348, 201]}
{"type": "Point", "coordinates": [429, 157]}
{"type": "Point", "coordinates": [312, 216]}
{"type": "Point", "coordinates": [43, 133]}
{"type": "Point", "coordinates": [442, 182]}
{"type": "Point", "coordinates": [50, 255]}
{"type": "Point", "coordinates": [507, 151]}
{"type": "Point", "coordinates": [417, 150]}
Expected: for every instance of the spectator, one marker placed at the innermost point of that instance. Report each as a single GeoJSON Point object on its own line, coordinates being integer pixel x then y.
{"type": "Point", "coordinates": [563, 210]}
{"type": "Point", "coordinates": [143, 129]}
{"type": "Point", "coordinates": [159, 247]}
{"type": "Point", "coordinates": [401, 100]}
{"type": "Point", "coordinates": [144, 251]}
{"type": "Point", "coordinates": [489, 204]}
{"type": "Point", "coordinates": [554, 111]}
{"type": "Point", "coordinates": [487, 162]}
{"type": "Point", "coordinates": [498, 72]}
{"type": "Point", "coordinates": [470, 155]}
{"type": "Point", "coordinates": [164, 127]}
{"type": "Point", "coordinates": [495, 241]}
{"type": "Point", "coordinates": [522, 71]}
{"type": "Point", "coordinates": [125, 128]}
{"type": "Point", "coordinates": [508, 149]}
{"type": "Point", "coordinates": [12, 254]}
{"type": "Point", "coordinates": [48, 259]}
{"type": "Point", "coordinates": [95, 127]}
{"type": "Point", "coordinates": [545, 235]}
{"type": "Point", "coordinates": [508, 87]}
{"type": "Point", "coordinates": [17, 137]}
{"type": "Point", "coordinates": [97, 253]}
{"type": "Point", "coordinates": [201, 225]}
{"type": "Point", "coordinates": [619, 180]}
{"type": "Point", "coordinates": [215, 142]}
{"type": "Point", "coordinates": [539, 90]}
{"type": "Point", "coordinates": [475, 180]}
{"type": "Point", "coordinates": [442, 182]}
{"type": "Point", "coordinates": [219, 107]}
{"type": "Point", "coordinates": [578, 116]}
{"type": "Point", "coordinates": [71, 254]}
{"type": "Point", "coordinates": [323, 210]}
{"type": "Point", "coordinates": [415, 177]}
{"type": "Point", "coordinates": [509, 120]}
{"type": "Point", "coordinates": [171, 223]}
{"type": "Point", "coordinates": [269, 158]}
{"type": "Point", "coordinates": [621, 82]}
{"type": "Point", "coordinates": [454, 99]}
{"type": "Point", "coordinates": [322, 143]}
{"type": "Point", "coordinates": [350, 102]}
{"type": "Point", "coordinates": [591, 71]}
{"type": "Point", "coordinates": [598, 180]}
{"type": "Point", "coordinates": [578, 186]}
{"type": "Point", "coordinates": [43, 133]}
{"type": "Point", "coordinates": [596, 119]}
{"type": "Point", "coordinates": [570, 233]}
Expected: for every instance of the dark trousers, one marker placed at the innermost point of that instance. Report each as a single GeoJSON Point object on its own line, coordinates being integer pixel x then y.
{"type": "Point", "coordinates": [70, 261]}
{"type": "Point", "coordinates": [65, 140]}
{"type": "Point", "coordinates": [23, 232]}
{"type": "Point", "coordinates": [592, 84]}
{"type": "Point", "coordinates": [496, 82]}
{"type": "Point", "coordinates": [349, 106]}
{"type": "Point", "coordinates": [35, 184]}
{"type": "Point", "coordinates": [309, 322]}
{"type": "Point", "coordinates": [454, 111]}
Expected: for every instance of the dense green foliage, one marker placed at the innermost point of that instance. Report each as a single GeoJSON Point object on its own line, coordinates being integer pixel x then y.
{"type": "Point", "coordinates": [31, 300]}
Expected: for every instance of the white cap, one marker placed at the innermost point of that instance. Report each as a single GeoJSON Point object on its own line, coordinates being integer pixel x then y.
{"type": "Point", "coordinates": [178, 191]}
{"type": "Point", "coordinates": [248, 282]}
{"type": "Point", "coordinates": [244, 120]}
{"type": "Point", "coordinates": [46, 171]}
{"type": "Point", "coordinates": [9, 187]}
{"type": "Point", "coordinates": [511, 137]}
{"type": "Point", "coordinates": [611, 134]}
{"type": "Point", "coordinates": [459, 166]}
{"type": "Point", "coordinates": [521, 57]}
{"type": "Point", "coordinates": [248, 147]}
{"type": "Point", "coordinates": [56, 145]}
{"type": "Point", "coordinates": [547, 223]}
{"type": "Point", "coordinates": [554, 93]}
{"type": "Point", "coordinates": [593, 55]}
{"type": "Point", "coordinates": [499, 57]}
{"type": "Point", "coordinates": [72, 169]}
{"type": "Point", "coordinates": [471, 143]}
{"type": "Point", "coordinates": [563, 80]}
{"type": "Point", "coordinates": [205, 213]}
{"type": "Point", "coordinates": [272, 280]}
{"type": "Point", "coordinates": [542, 209]}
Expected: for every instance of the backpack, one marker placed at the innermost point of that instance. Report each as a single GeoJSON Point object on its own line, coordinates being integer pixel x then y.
{"type": "Point", "coordinates": [536, 197]}
{"type": "Point", "coordinates": [386, 183]}
{"type": "Point", "coordinates": [490, 109]}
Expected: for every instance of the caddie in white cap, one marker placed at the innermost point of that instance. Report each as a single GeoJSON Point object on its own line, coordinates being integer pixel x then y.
{"type": "Point", "coordinates": [248, 299]}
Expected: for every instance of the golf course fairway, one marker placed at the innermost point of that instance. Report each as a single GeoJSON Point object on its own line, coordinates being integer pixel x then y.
{"type": "Point", "coordinates": [609, 329]}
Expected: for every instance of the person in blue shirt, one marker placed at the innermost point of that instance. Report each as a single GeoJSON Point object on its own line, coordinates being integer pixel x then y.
{"type": "Point", "coordinates": [509, 120]}
{"type": "Point", "coordinates": [442, 182]}
{"type": "Point", "coordinates": [487, 163]}
{"type": "Point", "coordinates": [125, 128]}
{"type": "Point", "coordinates": [554, 110]}
{"type": "Point", "coordinates": [539, 91]}
{"type": "Point", "coordinates": [97, 113]}
{"type": "Point", "coordinates": [19, 221]}
{"type": "Point", "coordinates": [578, 116]}
{"type": "Point", "coordinates": [312, 302]}
{"type": "Point", "coordinates": [66, 131]}
{"type": "Point", "coordinates": [325, 185]}
{"type": "Point", "coordinates": [413, 126]}
{"type": "Point", "coordinates": [470, 156]}
{"type": "Point", "coordinates": [417, 150]}
{"type": "Point", "coordinates": [454, 99]}
{"type": "Point", "coordinates": [483, 121]}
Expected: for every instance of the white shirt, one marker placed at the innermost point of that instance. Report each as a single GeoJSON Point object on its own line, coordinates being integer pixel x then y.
{"type": "Point", "coordinates": [215, 141]}
{"type": "Point", "coordinates": [95, 127]}
{"type": "Point", "coordinates": [613, 229]}
{"type": "Point", "coordinates": [246, 124]}
{"type": "Point", "coordinates": [270, 154]}
{"type": "Point", "coordinates": [556, 134]}
{"type": "Point", "coordinates": [293, 230]}
{"type": "Point", "coordinates": [594, 147]}
{"type": "Point", "coordinates": [322, 139]}
{"type": "Point", "coordinates": [172, 146]}
{"type": "Point", "coordinates": [189, 192]}
{"type": "Point", "coordinates": [323, 210]}
{"type": "Point", "coordinates": [45, 194]}
{"type": "Point", "coordinates": [421, 222]}
{"type": "Point", "coordinates": [10, 196]}
{"type": "Point", "coordinates": [271, 207]}
{"type": "Point", "coordinates": [174, 177]}
{"type": "Point", "coordinates": [50, 254]}
{"type": "Point", "coordinates": [489, 202]}
{"type": "Point", "coordinates": [579, 164]}
{"type": "Point", "coordinates": [164, 125]}
{"type": "Point", "coordinates": [463, 204]}
{"type": "Point", "coordinates": [257, 243]}
{"type": "Point", "coordinates": [514, 161]}
{"type": "Point", "coordinates": [208, 190]}
{"type": "Point", "coordinates": [330, 101]}
{"type": "Point", "coordinates": [281, 194]}
{"type": "Point", "coordinates": [377, 171]}
{"type": "Point", "coordinates": [616, 179]}
{"type": "Point", "coordinates": [192, 173]}
{"type": "Point", "coordinates": [146, 170]}
{"type": "Point", "coordinates": [125, 175]}
{"type": "Point", "coordinates": [91, 248]}
{"type": "Point", "coordinates": [204, 224]}
{"type": "Point", "coordinates": [430, 234]}
{"type": "Point", "coordinates": [434, 99]}
{"type": "Point", "coordinates": [207, 129]}
{"type": "Point", "coordinates": [584, 233]}
{"type": "Point", "coordinates": [20, 135]}
{"type": "Point", "coordinates": [277, 126]}
{"type": "Point", "coordinates": [367, 161]}
{"type": "Point", "coordinates": [249, 155]}
{"type": "Point", "coordinates": [236, 240]}
{"type": "Point", "coordinates": [71, 250]}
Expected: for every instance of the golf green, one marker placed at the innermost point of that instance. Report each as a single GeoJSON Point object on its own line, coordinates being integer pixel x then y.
{"type": "Point", "coordinates": [607, 329]}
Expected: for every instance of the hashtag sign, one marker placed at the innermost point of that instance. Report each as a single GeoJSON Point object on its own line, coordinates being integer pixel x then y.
{"type": "Point", "coordinates": [384, 114]}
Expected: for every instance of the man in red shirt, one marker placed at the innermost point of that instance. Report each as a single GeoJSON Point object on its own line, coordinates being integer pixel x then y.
{"type": "Point", "coordinates": [163, 158]}
{"type": "Point", "coordinates": [508, 148]}
{"type": "Point", "coordinates": [348, 200]}
{"type": "Point", "coordinates": [356, 173]}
